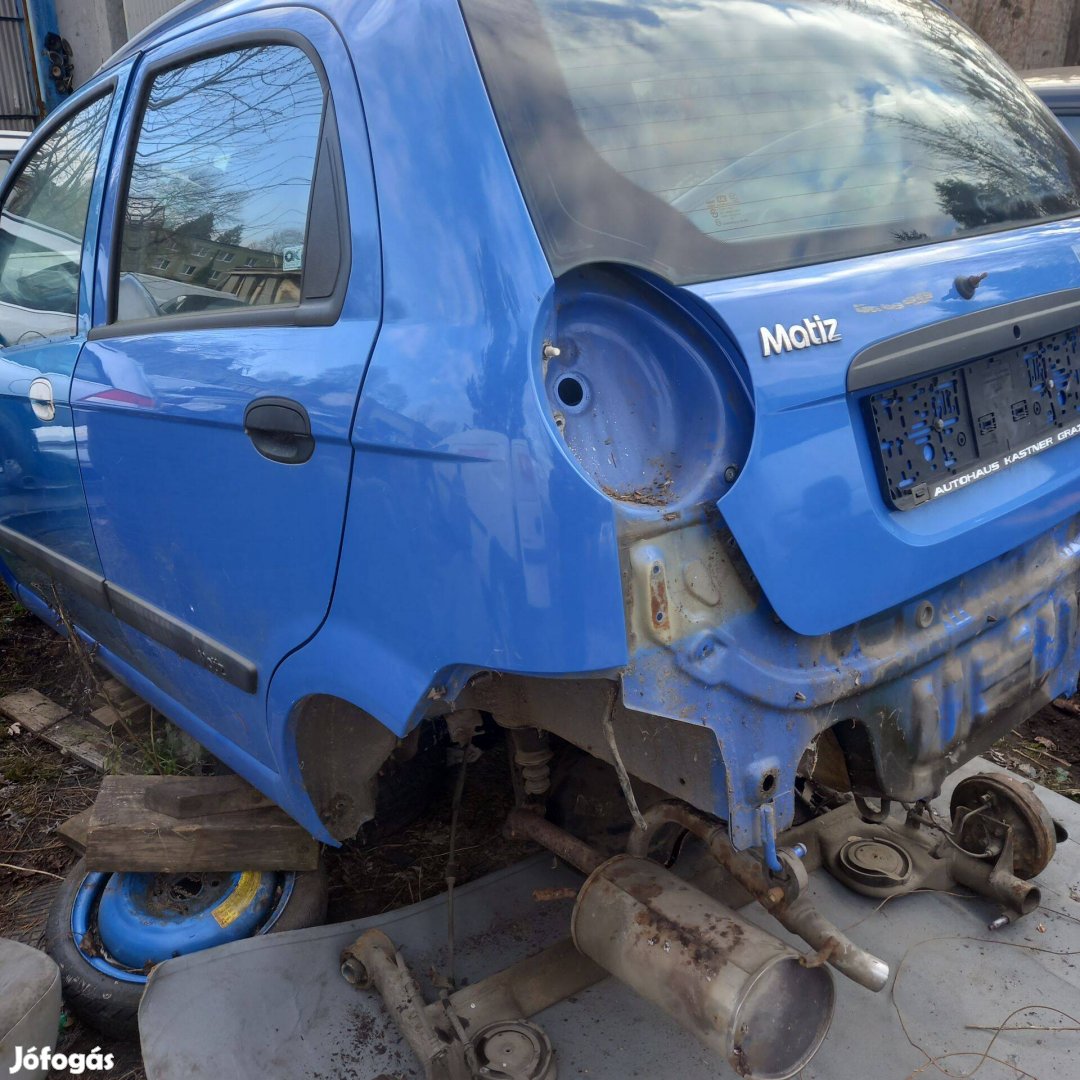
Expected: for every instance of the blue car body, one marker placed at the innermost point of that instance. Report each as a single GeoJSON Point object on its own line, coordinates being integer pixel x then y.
{"type": "Point", "coordinates": [496, 516]}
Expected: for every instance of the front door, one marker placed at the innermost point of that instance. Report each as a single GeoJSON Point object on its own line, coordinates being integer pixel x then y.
{"type": "Point", "coordinates": [214, 401]}
{"type": "Point", "coordinates": [46, 540]}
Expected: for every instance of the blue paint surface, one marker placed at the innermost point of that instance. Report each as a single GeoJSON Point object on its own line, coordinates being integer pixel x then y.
{"type": "Point", "coordinates": [140, 927]}
{"type": "Point", "coordinates": [41, 494]}
{"type": "Point", "coordinates": [808, 506]}
{"type": "Point", "coordinates": [162, 421]}
{"type": "Point", "coordinates": [460, 514]}
{"type": "Point", "coordinates": [146, 919]}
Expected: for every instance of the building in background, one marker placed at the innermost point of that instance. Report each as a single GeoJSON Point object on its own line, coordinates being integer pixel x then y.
{"type": "Point", "coordinates": [36, 71]}
{"type": "Point", "coordinates": [95, 29]}
{"type": "Point", "coordinates": [48, 46]}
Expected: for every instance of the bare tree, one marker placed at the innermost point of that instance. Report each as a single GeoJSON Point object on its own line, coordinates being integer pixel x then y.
{"type": "Point", "coordinates": [225, 154]}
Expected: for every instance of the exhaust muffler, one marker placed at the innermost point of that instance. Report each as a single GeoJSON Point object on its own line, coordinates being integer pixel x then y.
{"type": "Point", "coordinates": [739, 989]}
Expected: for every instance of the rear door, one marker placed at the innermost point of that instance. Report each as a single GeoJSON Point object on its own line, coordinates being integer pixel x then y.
{"type": "Point", "coordinates": [215, 394]}
{"type": "Point", "coordinates": [48, 227]}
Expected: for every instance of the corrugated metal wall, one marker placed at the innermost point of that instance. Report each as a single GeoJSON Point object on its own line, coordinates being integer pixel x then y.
{"type": "Point", "coordinates": [19, 103]}
{"type": "Point", "coordinates": [141, 13]}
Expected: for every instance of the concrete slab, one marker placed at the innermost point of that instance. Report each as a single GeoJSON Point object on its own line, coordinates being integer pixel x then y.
{"type": "Point", "coordinates": [29, 1006]}
{"type": "Point", "coordinates": [277, 1006]}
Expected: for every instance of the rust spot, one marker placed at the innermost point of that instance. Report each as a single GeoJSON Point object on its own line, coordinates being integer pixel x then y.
{"type": "Point", "coordinates": [707, 948]}
{"type": "Point", "coordinates": [659, 612]}
{"type": "Point", "coordinates": [645, 893]}
{"type": "Point", "coordinates": [739, 1062]}
{"type": "Point", "coordinates": [655, 494]}
{"type": "Point", "coordinates": [824, 955]}
{"type": "Point", "coordinates": [555, 892]}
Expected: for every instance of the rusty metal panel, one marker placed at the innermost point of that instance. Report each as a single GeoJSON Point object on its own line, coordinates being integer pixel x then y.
{"type": "Point", "coordinates": [236, 1010]}
{"type": "Point", "coordinates": [20, 104]}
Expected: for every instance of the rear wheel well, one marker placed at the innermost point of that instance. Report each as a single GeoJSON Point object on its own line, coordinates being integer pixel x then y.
{"type": "Point", "coordinates": [351, 764]}
{"type": "Point", "coordinates": [842, 757]}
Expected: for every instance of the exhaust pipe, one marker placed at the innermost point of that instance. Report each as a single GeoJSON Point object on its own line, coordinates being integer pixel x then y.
{"type": "Point", "coordinates": [739, 989]}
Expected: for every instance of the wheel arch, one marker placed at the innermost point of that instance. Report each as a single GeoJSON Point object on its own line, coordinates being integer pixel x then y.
{"type": "Point", "coordinates": [338, 749]}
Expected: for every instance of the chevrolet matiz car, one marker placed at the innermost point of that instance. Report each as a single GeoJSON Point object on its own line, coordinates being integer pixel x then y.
{"type": "Point", "coordinates": [689, 386]}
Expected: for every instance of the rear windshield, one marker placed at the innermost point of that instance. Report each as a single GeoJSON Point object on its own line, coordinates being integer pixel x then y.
{"type": "Point", "coordinates": [705, 139]}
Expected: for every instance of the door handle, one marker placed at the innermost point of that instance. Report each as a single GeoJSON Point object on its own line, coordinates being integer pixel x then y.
{"type": "Point", "coordinates": [280, 429]}
{"type": "Point", "coordinates": [41, 399]}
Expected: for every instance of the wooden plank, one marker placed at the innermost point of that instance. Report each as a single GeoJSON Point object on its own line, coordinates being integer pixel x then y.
{"type": "Point", "coordinates": [115, 706]}
{"type": "Point", "coordinates": [136, 720]}
{"type": "Point", "coordinates": [76, 736]}
{"type": "Point", "coordinates": [113, 692]}
{"type": "Point", "coordinates": [124, 833]}
{"type": "Point", "coordinates": [87, 743]}
{"type": "Point", "coordinates": [198, 796]}
{"type": "Point", "coordinates": [73, 831]}
{"type": "Point", "coordinates": [33, 710]}
{"type": "Point", "coordinates": [83, 741]}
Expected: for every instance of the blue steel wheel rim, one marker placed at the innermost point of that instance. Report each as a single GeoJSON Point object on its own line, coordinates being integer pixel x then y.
{"type": "Point", "coordinates": [85, 935]}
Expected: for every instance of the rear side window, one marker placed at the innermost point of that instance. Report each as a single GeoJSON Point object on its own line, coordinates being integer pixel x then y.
{"type": "Point", "coordinates": [706, 139]}
{"type": "Point", "coordinates": [1070, 121]}
{"type": "Point", "coordinates": [42, 227]}
{"type": "Point", "coordinates": [216, 213]}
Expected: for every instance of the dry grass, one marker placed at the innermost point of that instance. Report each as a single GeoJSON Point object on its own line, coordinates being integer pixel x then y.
{"type": "Point", "coordinates": [410, 865]}
{"type": "Point", "coordinates": [1046, 748]}
{"type": "Point", "coordinates": [40, 788]}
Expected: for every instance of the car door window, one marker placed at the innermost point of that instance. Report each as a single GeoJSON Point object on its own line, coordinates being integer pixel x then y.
{"type": "Point", "coordinates": [217, 205]}
{"type": "Point", "coordinates": [42, 227]}
{"type": "Point", "coordinates": [1071, 122]}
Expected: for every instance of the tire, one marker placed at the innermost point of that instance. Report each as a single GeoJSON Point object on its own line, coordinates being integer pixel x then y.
{"type": "Point", "coordinates": [307, 905]}
{"type": "Point", "coordinates": [110, 1005]}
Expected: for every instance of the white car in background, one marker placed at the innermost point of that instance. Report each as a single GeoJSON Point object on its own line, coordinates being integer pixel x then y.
{"type": "Point", "coordinates": [10, 144]}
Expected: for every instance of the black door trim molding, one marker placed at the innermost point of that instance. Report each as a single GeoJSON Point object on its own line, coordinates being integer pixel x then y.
{"type": "Point", "coordinates": [84, 582]}
{"type": "Point", "coordinates": [139, 614]}
{"type": "Point", "coordinates": [183, 639]}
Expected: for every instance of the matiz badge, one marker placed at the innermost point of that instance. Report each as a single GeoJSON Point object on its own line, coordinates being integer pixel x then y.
{"type": "Point", "coordinates": [812, 331]}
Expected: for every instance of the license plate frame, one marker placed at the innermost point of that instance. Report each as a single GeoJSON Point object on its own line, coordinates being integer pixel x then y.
{"type": "Point", "coordinates": [939, 433]}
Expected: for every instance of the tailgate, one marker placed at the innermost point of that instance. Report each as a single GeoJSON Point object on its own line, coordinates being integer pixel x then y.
{"type": "Point", "coordinates": [931, 436]}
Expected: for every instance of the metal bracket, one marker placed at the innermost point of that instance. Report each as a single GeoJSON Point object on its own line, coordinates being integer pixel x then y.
{"type": "Point", "coordinates": [891, 857]}
{"type": "Point", "coordinates": [479, 1031]}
